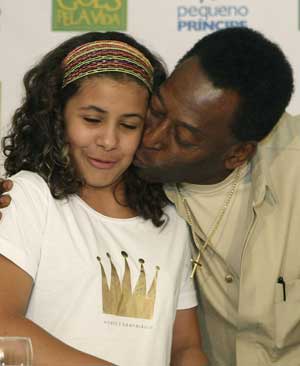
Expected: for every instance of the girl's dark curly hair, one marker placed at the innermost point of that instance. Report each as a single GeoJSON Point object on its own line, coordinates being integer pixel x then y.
{"type": "Point", "coordinates": [36, 141]}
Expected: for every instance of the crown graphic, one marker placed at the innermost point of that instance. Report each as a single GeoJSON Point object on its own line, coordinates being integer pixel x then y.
{"type": "Point", "coordinates": [119, 299]}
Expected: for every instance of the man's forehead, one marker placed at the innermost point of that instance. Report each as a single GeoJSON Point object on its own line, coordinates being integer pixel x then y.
{"type": "Point", "coordinates": [190, 79]}
{"type": "Point", "coordinates": [192, 91]}
{"type": "Point", "coordinates": [197, 103]}
{"type": "Point", "coordinates": [187, 67]}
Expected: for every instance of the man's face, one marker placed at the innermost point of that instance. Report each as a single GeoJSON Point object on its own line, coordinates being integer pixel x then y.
{"type": "Point", "coordinates": [187, 131]}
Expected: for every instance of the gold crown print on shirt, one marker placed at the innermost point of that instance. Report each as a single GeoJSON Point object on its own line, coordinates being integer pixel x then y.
{"type": "Point", "coordinates": [119, 299]}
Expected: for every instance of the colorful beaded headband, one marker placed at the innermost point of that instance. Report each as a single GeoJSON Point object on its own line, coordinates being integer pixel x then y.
{"type": "Point", "coordinates": [107, 56]}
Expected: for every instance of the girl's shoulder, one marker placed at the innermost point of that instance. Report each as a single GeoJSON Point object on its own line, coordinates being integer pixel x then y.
{"type": "Point", "coordinates": [173, 216]}
{"type": "Point", "coordinates": [29, 185]}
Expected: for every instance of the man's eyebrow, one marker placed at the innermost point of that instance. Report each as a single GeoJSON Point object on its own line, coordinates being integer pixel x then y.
{"type": "Point", "coordinates": [160, 98]}
{"type": "Point", "coordinates": [189, 127]}
{"type": "Point", "coordinates": [179, 122]}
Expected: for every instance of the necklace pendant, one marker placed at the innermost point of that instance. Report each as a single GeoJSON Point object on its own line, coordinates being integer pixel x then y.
{"type": "Point", "coordinates": [196, 262]}
{"type": "Point", "coordinates": [216, 223]}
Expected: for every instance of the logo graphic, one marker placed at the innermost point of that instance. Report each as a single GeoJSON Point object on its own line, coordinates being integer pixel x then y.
{"type": "Point", "coordinates": [119, 299]}
{"type": "Point", "coordinates": [210, 16]}
{"type": "Point", "coordinates": [77, 15]}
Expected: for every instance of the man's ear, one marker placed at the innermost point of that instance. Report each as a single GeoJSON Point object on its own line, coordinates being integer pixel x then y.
{"type": "Point", "coordinates": [239, 153]}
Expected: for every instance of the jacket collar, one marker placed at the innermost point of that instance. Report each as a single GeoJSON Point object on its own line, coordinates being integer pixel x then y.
{"type": "Point", "coordinates": [263, 186]}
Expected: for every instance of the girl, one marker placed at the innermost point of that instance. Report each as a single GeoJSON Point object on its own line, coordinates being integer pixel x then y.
{"type": "Point", "coordinates": [94, 262]}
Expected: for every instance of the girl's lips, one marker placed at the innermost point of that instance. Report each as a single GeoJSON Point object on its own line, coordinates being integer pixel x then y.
{"type": "Point", "coordinates": [102, 164]}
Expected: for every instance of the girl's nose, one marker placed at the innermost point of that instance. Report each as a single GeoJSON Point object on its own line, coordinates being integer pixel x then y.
{"type": "Point", "coordinates": [107, 138]}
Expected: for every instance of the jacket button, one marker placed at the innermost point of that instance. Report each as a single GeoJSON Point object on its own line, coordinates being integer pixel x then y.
{"type": "Point", "coordinates": [228, 278]}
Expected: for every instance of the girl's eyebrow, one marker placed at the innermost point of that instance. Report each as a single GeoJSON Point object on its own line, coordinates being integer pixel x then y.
{"type": "Point", "coordinates": [94, 108]}
{"type": "Point", "coordinates": [101, 110]}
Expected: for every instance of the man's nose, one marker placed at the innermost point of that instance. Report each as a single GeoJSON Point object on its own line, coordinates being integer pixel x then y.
{"type": "Point", "coordinates": [155, 136]}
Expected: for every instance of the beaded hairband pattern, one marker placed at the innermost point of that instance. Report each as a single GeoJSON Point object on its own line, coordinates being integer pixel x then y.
{"type": "Point", "coordinates": [107, 56]}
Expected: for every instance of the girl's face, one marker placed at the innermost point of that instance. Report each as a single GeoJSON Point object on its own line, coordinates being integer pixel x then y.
{"type": "Point", "coordinates": [104, 123]}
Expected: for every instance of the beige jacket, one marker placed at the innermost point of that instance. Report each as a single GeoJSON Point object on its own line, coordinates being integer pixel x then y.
{"type": "Point", "coordinates": [246, 321]}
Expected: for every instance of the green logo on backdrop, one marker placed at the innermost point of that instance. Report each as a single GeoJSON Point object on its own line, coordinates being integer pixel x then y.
{"type": "Point", "coordinates": [77, 15]}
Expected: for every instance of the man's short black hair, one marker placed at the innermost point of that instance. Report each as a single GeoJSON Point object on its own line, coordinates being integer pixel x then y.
{"type": "Point", "coordinates": [243, 60]}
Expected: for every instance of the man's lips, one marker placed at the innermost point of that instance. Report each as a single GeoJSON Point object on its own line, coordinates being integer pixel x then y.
{"type": "Point", "coordinates": [102, 164]}
{"type": "Point", "coordinates": [141, 158]}
{"type": "Point", "coordinates": [137, 162]}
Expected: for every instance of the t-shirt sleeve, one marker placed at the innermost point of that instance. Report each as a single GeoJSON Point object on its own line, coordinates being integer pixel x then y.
{"type": "Point", "coordinates": [187, 296]}
{"type": "Point", "coordinates": [23, 222]}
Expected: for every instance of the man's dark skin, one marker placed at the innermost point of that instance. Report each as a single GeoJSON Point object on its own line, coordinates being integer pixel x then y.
{"type": "Point", "coordinates": [6, 185]}
{"type": "Point", "coordinates": [188, 134]}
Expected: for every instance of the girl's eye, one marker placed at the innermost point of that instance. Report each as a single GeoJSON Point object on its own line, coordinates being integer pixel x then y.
{"type": "Point", "coordinates": [130, 127]}
{"type": "Point", "coordinates": [92, 120]}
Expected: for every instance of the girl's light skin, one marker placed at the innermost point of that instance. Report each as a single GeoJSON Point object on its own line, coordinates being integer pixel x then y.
{"type": "Point", "coordinates": [104, 123]}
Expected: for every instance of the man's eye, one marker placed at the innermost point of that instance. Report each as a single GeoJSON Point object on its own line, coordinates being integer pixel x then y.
{"type": "Point", "coordinates": [156, 113]}
{"type": "Point", "coordinates": [187, 145]}
{"type": "Point", "coordinates": [186, 140]}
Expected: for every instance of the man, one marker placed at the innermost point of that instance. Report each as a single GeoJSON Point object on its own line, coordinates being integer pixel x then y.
{"type": "Point", "coordinates": [218, 135]}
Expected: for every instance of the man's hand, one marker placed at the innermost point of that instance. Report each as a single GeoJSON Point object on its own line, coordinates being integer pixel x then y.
{"type": "Point", "coordinates": [5, 186]}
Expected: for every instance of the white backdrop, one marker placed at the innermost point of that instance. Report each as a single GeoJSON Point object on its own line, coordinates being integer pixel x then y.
{"type": "Point", "coordinates": [169, 27]}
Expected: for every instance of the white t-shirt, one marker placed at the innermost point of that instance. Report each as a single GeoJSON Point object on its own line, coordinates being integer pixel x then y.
{"type": "Point", "coordinates": [57, 243]}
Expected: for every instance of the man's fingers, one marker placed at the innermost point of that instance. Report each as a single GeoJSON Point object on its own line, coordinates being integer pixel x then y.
{"type": "Point", "coordinates": [4, 201]}
{"type": "Point", "coordinates": [5, 185]}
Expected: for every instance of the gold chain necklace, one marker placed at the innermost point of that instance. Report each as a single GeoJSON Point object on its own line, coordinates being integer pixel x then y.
{"type": "Point", "coordinates": [196, 262]}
